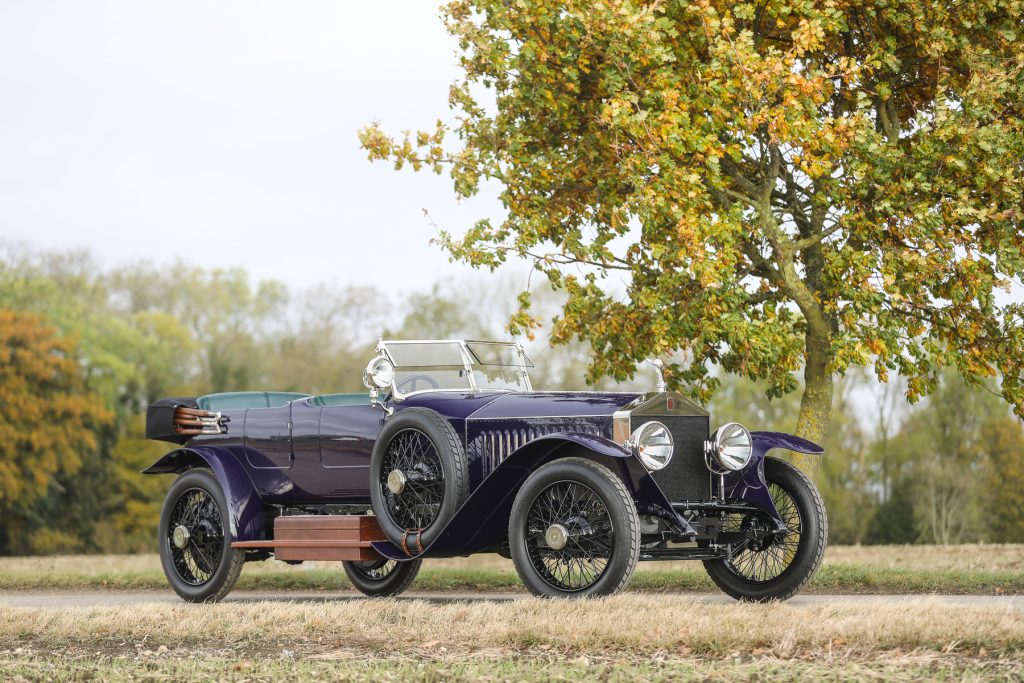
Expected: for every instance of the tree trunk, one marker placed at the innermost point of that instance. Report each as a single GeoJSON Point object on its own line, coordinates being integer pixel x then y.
{"type": "Point", "coordinates": [816, 403]}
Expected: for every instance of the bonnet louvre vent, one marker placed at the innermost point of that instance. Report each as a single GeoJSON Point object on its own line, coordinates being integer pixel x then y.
{"type": "Point", "coordinates": [494, 445]}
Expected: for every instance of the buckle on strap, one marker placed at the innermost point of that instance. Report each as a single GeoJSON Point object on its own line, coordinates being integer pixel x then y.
{"type": "Point", "coordinates": [419, 541]}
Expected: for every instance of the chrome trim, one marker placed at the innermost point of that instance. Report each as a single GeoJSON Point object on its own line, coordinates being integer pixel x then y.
{"type": "Point", "coordinates": [464, 390]}
{"type": "Point", "coordinates": [375, 401]}
{"type": "Point", "coordinates": [633, 443]}
{"type": "Point", "coordinates": [537, 417]}
{"type": "Point", "coordinates": [620, 427]}
{"type": "Point", "coordinates": [467, 362]}
{"type": "Point", "coordinates": [659, 367]}
{"type": "Point", "coordinates": [396, 481]}
{"type": "Point", "coordinates": [556, 536]}
{"type": "Point", "coordinates": [565, 391]}
{"type": "Point", "coordinates": [712, 450]}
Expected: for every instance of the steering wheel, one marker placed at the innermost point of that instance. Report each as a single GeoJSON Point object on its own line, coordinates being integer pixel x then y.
{"type": "Point", "coordinates": [409, 384]}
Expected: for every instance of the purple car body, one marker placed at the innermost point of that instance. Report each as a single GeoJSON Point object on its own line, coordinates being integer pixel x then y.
{"type": "Point", "coordinates": [302, 453]}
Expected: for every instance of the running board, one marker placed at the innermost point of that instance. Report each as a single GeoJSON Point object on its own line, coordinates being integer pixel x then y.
{"type": "Point", "coordinates": [322, 537]}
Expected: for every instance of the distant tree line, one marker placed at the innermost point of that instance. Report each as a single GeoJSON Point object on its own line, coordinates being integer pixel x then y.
{"type": "Point", "coordinates": [84, 349]}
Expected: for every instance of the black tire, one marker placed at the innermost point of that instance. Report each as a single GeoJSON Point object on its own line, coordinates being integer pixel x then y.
{"type": "Point", "coordinates": [599, 523]}
{"type": "Point", "coordinates": [793, 560]}
{"type": "Point", "coordinates": [381, 578]}
{"type": "Point", "coordinates": [206, 568]}
{"type": "Point", "coordinates": [422, 445]}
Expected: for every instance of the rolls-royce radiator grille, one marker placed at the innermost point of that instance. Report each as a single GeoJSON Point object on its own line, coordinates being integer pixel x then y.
{"type": "Point", "coordinates": [494, 445]}
{"type": "Point", "coordinates": [687, 477]}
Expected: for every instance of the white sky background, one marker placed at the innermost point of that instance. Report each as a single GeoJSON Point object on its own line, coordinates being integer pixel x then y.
{"type": "Point", "coordinates": [225, 133]}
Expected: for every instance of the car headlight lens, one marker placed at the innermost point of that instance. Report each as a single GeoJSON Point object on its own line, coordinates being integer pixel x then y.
{"type": "Point", "coordinates": [652, 443]}
{"type": "Point", "coordinates": [379, 374]}
{"type": "Point", "coordinates": [730, 448]}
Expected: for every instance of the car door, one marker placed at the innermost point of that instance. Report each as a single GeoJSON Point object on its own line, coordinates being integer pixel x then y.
{"type": "Point", "coordinates": [268, 437]}
{"type": "Point", "coordinates": [347, 435]}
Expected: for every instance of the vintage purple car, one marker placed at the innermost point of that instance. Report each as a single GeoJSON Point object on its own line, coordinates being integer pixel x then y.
{"type": "Point", "coordinates": [452, 453]}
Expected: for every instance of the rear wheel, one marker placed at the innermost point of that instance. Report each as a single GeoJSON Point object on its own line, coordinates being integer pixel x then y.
{"type": "Point", "coordinates": [574, 530]}
{"type": "Point", "coordinates": [382, 577]}
{"type": "Point", "coordinates": [776, 567]}
{"type": "Point", "coordinates": [195, 539]}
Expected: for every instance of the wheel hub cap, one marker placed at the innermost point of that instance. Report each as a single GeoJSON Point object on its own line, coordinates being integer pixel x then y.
{"type": "Point", "coordinates": [557, 536]}
{"type": "Point", "coordinates": [396, 481]}
{"type": "Point", "coordinates": [180, 536]}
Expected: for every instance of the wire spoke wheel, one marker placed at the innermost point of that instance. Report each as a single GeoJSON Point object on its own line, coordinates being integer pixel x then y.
{"type": "Point", "coordinates": [382, 577]}
{"type": "Point", "coordinates": [418, 502]}
{"type": "Point", "coordinates": [770, 564]}
{"type": "Point", "coordinates": [195, 537]}
{"type": "Point", "coordinates": [761, 561]}
{"type": "Point", "coordinates": [569, 536]}
{"type": "Point", "coordinates": [419, 477]}
{"type": "Point", "coordinates": [377, 570]}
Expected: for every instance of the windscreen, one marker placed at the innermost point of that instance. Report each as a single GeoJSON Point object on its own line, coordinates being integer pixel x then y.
{"type": "Point", "coordinates": [457, 365]}
{"type": "Point", "coordinates": [426, 354]}
{"type": "Point", "coordinates": [497, 353]}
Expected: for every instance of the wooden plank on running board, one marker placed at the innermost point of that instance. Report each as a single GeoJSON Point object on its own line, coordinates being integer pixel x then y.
{"type": "Point", "coordinates": [327, 554]}
{"type": "Point", "coordinates": [365, 524]}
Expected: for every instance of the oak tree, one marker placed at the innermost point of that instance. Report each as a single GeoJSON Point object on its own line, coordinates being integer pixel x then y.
{"type": "Point", "coordinates": [777, 185]}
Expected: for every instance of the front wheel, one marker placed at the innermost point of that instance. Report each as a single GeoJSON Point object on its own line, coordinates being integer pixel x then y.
{"type": "Point", "coordinates": [382, 577]}
{"type": "Point", "coordinates": [195, 539]}
{"type": "Point", "coordinates": [776, 567]}
{"type": "Point", "coordinates": [574, 530]}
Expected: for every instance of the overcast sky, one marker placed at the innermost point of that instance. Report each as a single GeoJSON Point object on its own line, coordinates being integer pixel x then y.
{"type": "Point", "coordinates": [225, 133]}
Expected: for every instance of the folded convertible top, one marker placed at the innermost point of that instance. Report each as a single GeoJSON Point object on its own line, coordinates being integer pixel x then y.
{"type": "Point", "coordinates": [179, 419]}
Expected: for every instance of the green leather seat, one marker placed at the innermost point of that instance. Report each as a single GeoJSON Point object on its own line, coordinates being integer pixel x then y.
{"type": "Point", "coordinates": [343, 399]}
{"type": "Point", "coordinates": [239, 400]}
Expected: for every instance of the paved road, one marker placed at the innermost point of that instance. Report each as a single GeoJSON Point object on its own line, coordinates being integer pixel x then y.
{"type": "Point", "coordinates": [110, 598]}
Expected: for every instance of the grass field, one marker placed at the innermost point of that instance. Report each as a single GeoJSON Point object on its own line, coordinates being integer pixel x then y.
{"type": "Point", "coordinates": [650, 633]}
{"type": "Point", "coordinates": [630, 636]}
{"type": "Point", "coordinates": [968, 569]}
{"type": "Point", "coordinates": [177, 667]}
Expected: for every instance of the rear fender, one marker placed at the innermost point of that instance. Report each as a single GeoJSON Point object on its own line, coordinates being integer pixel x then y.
{"type": "Point", "coordinates": [482, 521]}
{"type": "Point", "coordinates": [246, 507]}
{"type": "Point", "coordinates": [750, 484]}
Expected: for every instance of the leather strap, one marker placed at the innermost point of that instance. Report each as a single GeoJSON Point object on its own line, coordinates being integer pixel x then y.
{"type": "Point", "coordinates": [419, 541]}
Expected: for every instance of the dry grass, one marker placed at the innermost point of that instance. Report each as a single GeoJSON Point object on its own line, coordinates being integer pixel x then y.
{"type": "Point", "coordinates": [636, 636]}
{"type": "Point", "coordinates": [972, 569]}
{"type": "Point", "coordinates": [638, 624]}
{"type": "Point", "coordinates": [650, 638]}
{"type": "Point", "coordinates": [183, 665]}
{"type": "Point", "coordinates": [989, 557]}
{"type": "Point", "coordinates": [970, 557]}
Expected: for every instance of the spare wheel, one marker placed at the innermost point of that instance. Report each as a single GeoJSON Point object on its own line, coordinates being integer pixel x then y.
{"type": "Point", "coordinates": [418, 477]}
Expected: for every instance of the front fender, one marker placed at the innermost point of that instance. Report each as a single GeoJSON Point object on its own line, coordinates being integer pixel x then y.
{"type": "Point", "coordinates": [482, 521]}
{"type": "Point", "coordinates": [750, 484]}
{"type": "Point", "coordinates": [246, 507]}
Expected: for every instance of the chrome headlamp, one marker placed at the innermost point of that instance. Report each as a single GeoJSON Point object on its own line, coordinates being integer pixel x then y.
{"type": "Point", "coordinates": [652, 443]}
{"type": "Point", "coordinates": [379, 374]}
{"type": "Point", "coordinates": [729, 449]}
